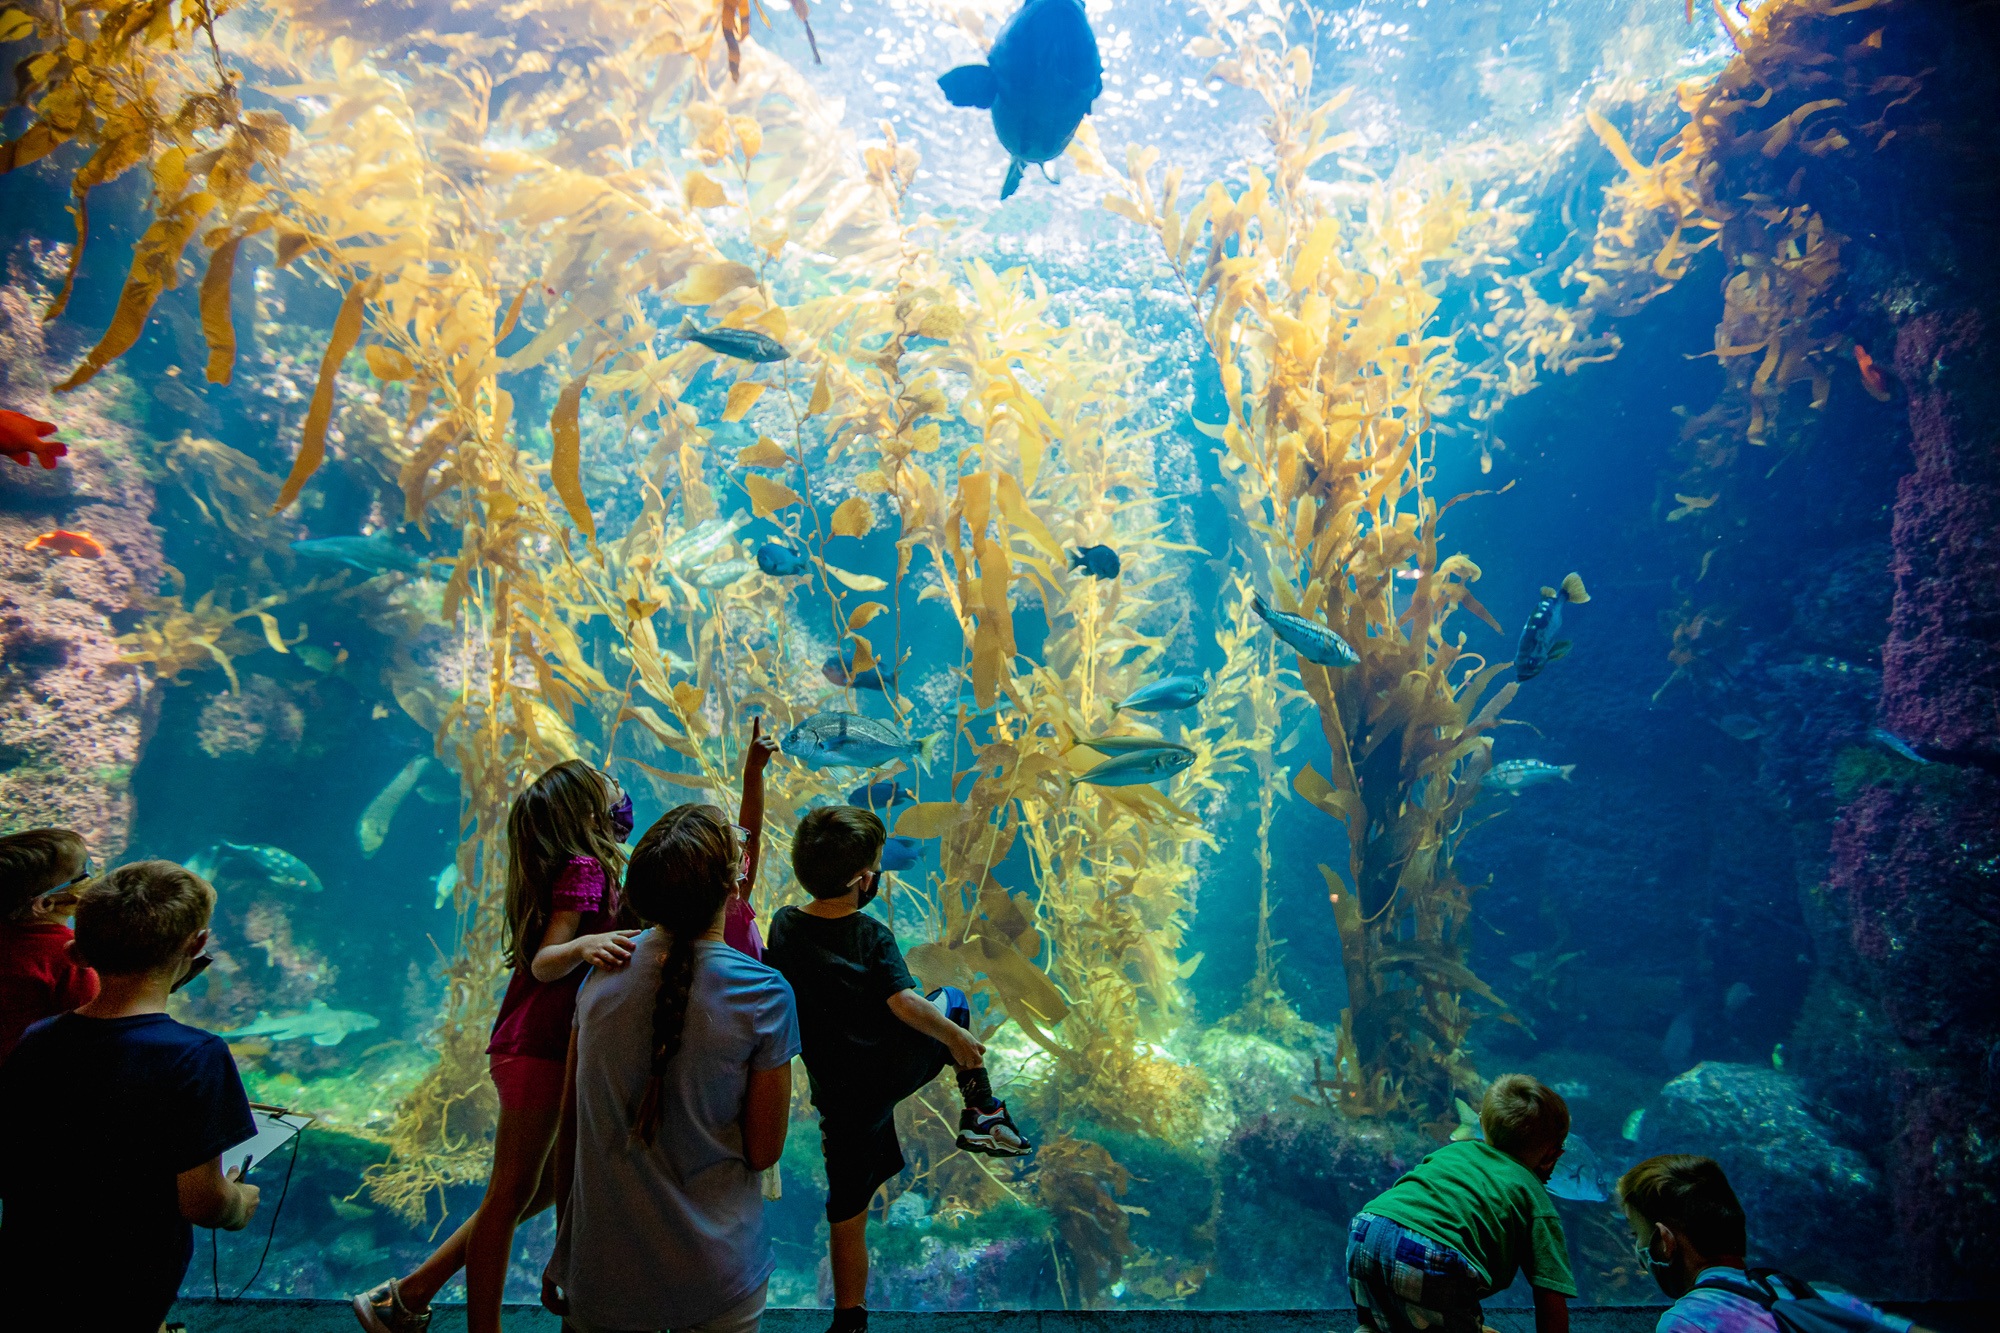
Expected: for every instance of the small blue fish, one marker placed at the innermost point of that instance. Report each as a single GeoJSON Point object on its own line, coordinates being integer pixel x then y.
{"type": "Point", "coordinates": [880, 796]}
{"type": "Point", "coordinates": [1100, 562]}
{"type": "Point", "coordinates": [1113, 747]}
{"type": "Point", "coordinates": [840, 670]}
{"type": "Point", "coordinates": [1164, 696]}
{"type": "Point", "coordinates": [901, 854]}
{"type": "Point", "coordinates": [373, 554]}
{"type": "Point", "coordinates": [1516, 775]}
{"type": "Point", "coordinates": [781, 561]}
{"type": "Point", "coordinates": [1539, 644]}
{"type": "Point", "coordinates": [743, 344]}
{"type": "Point", "coordinates": [1894, 744]}
{"type": "Point", "coordinates": [1038, 80]}
{"type": "Point", "coordinates": [1310, 639]}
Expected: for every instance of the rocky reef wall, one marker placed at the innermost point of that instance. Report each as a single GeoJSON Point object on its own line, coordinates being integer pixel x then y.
{"type": "Point", "coordinates": [73, 717]}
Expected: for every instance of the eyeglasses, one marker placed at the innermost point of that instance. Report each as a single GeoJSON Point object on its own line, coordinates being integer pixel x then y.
{"type": "Point", "coordinates": [89, 872]}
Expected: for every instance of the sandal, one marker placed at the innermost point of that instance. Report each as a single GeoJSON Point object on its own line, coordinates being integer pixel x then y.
{"type": "Point", "coordinates": [382, 1311]}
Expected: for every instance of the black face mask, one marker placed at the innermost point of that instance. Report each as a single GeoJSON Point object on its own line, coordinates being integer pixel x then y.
{"type": "Point", "coordinates": [869, 890]}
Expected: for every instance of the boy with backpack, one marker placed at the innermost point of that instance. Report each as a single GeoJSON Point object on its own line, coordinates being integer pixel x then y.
{"type": "Point", "coordinates": [1688, 1226]}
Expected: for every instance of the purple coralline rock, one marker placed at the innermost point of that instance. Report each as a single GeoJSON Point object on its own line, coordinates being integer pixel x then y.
{"type": "Point", "coordinates": [1916, 862]}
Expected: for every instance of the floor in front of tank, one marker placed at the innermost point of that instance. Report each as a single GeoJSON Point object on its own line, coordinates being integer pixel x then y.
{"type": "Point", "coordinates": [276, 1316]}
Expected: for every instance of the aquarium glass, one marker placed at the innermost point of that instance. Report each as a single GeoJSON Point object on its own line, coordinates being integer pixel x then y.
{"type": "Point", "coordinates": [1516, 479]}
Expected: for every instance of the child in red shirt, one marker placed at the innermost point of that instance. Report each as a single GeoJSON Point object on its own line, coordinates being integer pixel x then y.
{"type": "Point", "coordinates": [39, 871]}
{"type": "Point", "coordinates": [565, 854]}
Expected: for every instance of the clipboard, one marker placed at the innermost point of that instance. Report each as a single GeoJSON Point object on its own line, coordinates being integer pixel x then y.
{"type": "Point", "coordinates": [276, 1126]}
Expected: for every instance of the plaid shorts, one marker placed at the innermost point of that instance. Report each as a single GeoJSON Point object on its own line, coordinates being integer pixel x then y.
{"type": "Point", "coordinates": [1406, 1283]}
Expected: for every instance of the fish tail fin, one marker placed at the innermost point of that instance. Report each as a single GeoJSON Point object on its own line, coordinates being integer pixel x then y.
{"type": "Point", "coordinates": [688, 328]}
{"type": "Point", "coordinates": [1076, 560]}
{"type": "Point", "coordinates": [1566, 770]}
{"type": "Point", "coordinates": [1015, 170]}
{"type": "Point", "coordinates": [927, 748]}
{"type": "Point", "coordinates": [1260, 606]}
{"type": "Point", "coordinates": [1115, 708]}
{"type": "Point", "coordinates": [974, 86]}
{"type": "Point", "coordinates": [1572, 588]}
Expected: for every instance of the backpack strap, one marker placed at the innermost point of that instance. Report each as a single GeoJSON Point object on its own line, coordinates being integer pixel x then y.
{"type": "Point", "coordinates": [1783, 1285]}
{"type": "Point", "coordinates": [1747, 1285]}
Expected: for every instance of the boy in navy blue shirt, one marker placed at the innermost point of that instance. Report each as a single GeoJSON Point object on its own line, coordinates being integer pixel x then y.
{"type": "Point", "coordinates": [99, 1235]}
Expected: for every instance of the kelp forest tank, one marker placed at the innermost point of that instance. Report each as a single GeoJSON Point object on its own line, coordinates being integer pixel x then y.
{"type": "Point", "coordinates": [1383, 544]}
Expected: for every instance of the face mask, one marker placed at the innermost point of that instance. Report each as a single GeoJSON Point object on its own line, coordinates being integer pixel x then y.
{"type": "Point", "coordinates": [1663, 1274]}
{"type": "Point", "coordinates": [621, 817]}
{"type": "Point", "coordinates": [868, 892]}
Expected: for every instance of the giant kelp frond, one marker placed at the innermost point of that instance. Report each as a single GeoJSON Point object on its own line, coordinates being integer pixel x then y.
{"type": "Point", "coordinates": [1321, 326]}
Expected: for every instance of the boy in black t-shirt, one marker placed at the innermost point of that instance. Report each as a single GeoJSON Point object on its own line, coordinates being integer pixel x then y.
{"type": "Point", "coordinates": [99, 1237]}
{"type": "Point", "coordinates": [870, 1038]}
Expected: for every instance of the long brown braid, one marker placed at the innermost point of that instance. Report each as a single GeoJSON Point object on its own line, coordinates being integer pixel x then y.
{"type": "Point", "coordinates": [682, 873]}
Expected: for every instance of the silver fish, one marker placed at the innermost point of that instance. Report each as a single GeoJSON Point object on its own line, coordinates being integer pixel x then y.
{"type": "Point", "coordinates": [722, 575]}
{"type": "Point", "coordinates": [698, 543]}
{"type": "Point", "coordinates": [1164, 696]}
{"type": "Point", "coordinates": [743, 344]}
{"type": "Point", "coordinates": [1115, 746]}
{"type": "Point", "coordinates": [1310, 639]}
{"type": "Point", "coordinates": [1519, 774]}
{"type": "Point", "coordinates": [1578, 1176]}
{"type": "Point", "coordinates": [1137, 768]}
{"type": "Point", "coordinates": [834, 738]}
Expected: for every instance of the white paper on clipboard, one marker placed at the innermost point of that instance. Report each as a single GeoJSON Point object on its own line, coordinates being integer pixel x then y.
{"type": "Point", "coordinates": [275, 1128]}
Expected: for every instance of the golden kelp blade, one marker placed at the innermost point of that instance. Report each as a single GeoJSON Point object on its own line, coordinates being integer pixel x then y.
{"type": "Point", "coordinates": [566, 464]}
{"type": "Point", "coordinates": [216, 326]}
{"type": "Point", "coordinates": [312, 448]}
{"type": "Point", "coordinates": [153, 268]}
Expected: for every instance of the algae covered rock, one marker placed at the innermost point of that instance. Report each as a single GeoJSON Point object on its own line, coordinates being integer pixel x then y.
{"type": "Point", "coordinates": [1816, 1207]}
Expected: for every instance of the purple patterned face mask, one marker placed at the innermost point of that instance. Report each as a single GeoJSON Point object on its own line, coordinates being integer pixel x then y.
{"type": "Point", "coordinates": [621, 816]}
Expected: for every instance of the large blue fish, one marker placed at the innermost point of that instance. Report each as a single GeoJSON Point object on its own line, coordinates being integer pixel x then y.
{"type": "Point", "coordinates": [1539, 644]}
{"type": "Point", "coordinates": [373, 554]}
{"type": "Point", "coordinates": [1310, 639]}
{"type": "Point", "coordinates": [1038, 80]}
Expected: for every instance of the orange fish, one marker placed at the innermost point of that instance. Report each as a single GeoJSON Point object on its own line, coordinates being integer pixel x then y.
{"type": "Point", "coordinates": [64, 542]}
{"type": "Point", "coordinates": [21, 439]}
{"type": "Point", "coordinates": [1872, 378]}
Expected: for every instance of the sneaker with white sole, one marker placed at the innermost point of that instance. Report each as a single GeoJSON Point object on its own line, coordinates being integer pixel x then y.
{"type": "Point", "coordinates": [991, 1132]}
{"type": "Point", "coordinates": [382, 1311]}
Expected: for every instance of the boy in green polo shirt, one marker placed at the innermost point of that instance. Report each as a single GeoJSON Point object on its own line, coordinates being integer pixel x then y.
{"type": "Point", "coordinates": [1427, 1250]}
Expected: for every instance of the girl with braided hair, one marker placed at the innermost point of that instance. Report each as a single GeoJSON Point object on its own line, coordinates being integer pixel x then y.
{"type": "Point", "coordinates": [679, 1094]}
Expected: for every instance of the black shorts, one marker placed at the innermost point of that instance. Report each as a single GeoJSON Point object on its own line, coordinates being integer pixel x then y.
{"type": "Point", "coordinates": [859, 1141]}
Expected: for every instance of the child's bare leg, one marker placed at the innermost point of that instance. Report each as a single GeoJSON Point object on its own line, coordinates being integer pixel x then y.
{"type": "Point", "coordinates": [848, 1250]}
{"type": "Point", "coordinates": [521, 1151]}
{"type": "Point", "coordinates": [421, 1287]}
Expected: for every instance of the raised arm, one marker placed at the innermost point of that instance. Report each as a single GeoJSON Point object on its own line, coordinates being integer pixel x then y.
{"type": "Point", "coordinates": [756, 756]}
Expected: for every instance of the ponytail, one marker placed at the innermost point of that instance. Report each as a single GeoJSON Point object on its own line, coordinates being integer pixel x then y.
{"type": "Point", "coordinates": [682, 873]}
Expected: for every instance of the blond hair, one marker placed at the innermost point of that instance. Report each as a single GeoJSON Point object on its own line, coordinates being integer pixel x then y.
{"type": "Point", "coordinates": [1520, 1113]}
{"type": "Point", "coordinates": [135, 918]}
{"type": "Point", "coordinates": [34, 861]}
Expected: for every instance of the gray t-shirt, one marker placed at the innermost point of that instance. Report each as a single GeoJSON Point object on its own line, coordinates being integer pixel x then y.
{"type": "Point", "coordinates": [671, 1235]}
